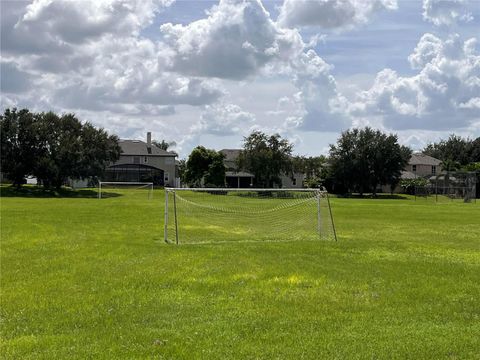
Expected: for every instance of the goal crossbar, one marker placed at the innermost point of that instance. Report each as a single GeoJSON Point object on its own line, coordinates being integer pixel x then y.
{"type": "Point", "coordinates": [244, 189]}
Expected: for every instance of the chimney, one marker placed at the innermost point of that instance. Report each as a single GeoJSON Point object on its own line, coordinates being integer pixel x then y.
{"type": "Point", "coordinates": [149, 139]}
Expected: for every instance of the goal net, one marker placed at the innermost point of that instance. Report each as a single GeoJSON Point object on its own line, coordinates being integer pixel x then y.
{"type": "Point", "coordinates": [199, 215]}
{"type": "Point", "coordinates": [140, 190]}
{"type": "Point", "coordinates": [450, 186]}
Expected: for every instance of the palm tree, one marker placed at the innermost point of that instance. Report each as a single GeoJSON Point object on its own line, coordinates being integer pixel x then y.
{"type": "Point", "coordinates": [164, 145]}
{"type": "Point", "coordinates": [449, 165]}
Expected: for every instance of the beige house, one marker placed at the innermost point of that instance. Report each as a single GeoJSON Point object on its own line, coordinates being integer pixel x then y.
{"type": "Point", "coordinates": [143, 162]}
{"type": "Point", "coordinates": [419, 165]}
{"type": "Point", "coordinates": [422, 165]}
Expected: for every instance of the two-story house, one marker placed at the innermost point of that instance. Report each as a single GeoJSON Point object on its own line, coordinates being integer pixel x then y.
{"type": "Point", "coordinates": [143, 162]}
{"type": "Point", "coordinates": [422, 165]}
{"type": "Point", "coordinates": [419, 166]}
{"type": "Point", "coordinates": [236, 178]}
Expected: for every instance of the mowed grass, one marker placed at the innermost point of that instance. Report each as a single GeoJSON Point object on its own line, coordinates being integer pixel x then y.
{"type": "Point", "coordinates": [88, 278]}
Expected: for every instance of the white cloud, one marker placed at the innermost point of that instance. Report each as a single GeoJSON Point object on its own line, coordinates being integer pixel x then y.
{"type": "Point", "coordinates": [89, 55]}
{"type": "Point", "coordinates": [224, 119]}
{"type": "Point", "coordinates": [331, 14]}
{"type": "Point", "coordinates": [235, 41]}
{"type": "Point", "coordinates": [443, 95]}
{"type": "Point", "coordinates": [426, 50]}
{"type": "Point", "coordinates": [238, 40]}
{"type": "Point", "coordinates": [446, 12]}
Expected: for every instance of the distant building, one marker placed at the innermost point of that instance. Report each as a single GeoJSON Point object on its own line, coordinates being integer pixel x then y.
{"type": "Point", "coordinates": [419, 166]}
{"type": "Point", "coordinates": [236, 178]}
{"type": "Point", "coordinates": [143, 162]}
{"type": "Point", "coordinates": [422, 165]}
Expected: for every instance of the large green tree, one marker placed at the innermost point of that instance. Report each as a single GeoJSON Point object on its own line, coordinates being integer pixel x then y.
{"type": "Point", "coordinates": [19, 144]}
{"type": "Point", "coordinates": [364, 159]}
{"type": "Point", "coordinates": [313, 167]}
{"type": "Point", "coordinates": [53, 148]}
{"type": "Point", "coordinates": [205, 165]}
{"type": "Point", "coordinates": [267, 157]}
{"type": "Point", "coordinates": [457, 149]}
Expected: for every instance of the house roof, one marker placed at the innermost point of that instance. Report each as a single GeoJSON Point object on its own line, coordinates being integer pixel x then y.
{"type": "Point", "coordinates": [407, 175]}
{"type": "Point", "coordinates": [239, 174]}
{"type": "Point", "coordinates": [138, 147]}
{"type": "Point", "coordinates": [231, 154]}
{"type": "Point", "coordinates": [422, 159]}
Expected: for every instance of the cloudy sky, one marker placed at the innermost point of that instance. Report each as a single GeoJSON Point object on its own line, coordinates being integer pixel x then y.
{"type": "Point", "coordinates": [210, 72]}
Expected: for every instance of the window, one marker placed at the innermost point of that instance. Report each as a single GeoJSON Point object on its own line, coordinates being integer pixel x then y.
{"type": "Point", "coordinates": [294, 181]}
{"type": "Point", "coordinates": [165, 176]}
{"type": "Point", "coordinates": [136, 159]}
{"type": "Point", "coordinates": [414, 168]}
{"type": "Point", "coordinates": [145, 159]}
{"type": "Point", "coordinates": [434, 169]}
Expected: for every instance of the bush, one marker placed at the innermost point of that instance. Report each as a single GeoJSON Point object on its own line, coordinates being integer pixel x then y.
{"type": "Point", "coordinates": [409, 185]}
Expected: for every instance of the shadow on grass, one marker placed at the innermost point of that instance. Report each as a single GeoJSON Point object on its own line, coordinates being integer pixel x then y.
{"type": "Point", "coordinates": [29, 191]}
{"type": "Point", "coordinates": [376, 197]}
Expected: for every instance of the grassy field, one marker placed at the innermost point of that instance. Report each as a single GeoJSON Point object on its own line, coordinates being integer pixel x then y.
{"type": "Point", "coordinates": [88, 278]}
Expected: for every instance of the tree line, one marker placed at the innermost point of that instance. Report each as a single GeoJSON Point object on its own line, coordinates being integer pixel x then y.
{"type": "Point", "coordinates": [53, 148]}
{"type": "Point", "coordinates": [361, 161]}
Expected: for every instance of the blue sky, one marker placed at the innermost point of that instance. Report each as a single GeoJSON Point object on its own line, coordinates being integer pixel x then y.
{"type": "Point", "coordinates": [210, 72]}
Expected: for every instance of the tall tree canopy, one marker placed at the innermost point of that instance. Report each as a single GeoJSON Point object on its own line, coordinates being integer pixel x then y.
{"type": "Point", "coordinates": [207, 165]}
{"type": "Point", "coordinates": [364, 159]}
{"type": "Point", "coordinates": [313, 167]}
{"type": "Point", "coordinates": [19, 144]}
{"type": "Point", "coordinates": [456, 149]}
{"type": "Point", "coordinates": [53, 148]}
{"type": "Point", "coordinates": [267, 157]}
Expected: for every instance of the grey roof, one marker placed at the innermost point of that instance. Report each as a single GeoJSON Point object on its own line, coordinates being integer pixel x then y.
{"type": "Point", "coordinates": [442, 177]}
{"type": "Point", "coordinates": [239, 174]}
{"type": "Point", "coordinates": [407, 175]}
{"type": "Point", "coordinates": [138, 147]}
{"type": "Point", "coordinates": [422, 159]}
{"type": "Point", "coordinates": [231, 154]}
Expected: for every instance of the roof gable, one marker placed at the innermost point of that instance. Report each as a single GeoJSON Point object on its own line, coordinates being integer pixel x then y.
{"type": "Point", "coordinates": [231, 154]}
{"type": "Point", "coordinates": [138, 147]}
{"type": "Point", "coordinates": [422, 159]}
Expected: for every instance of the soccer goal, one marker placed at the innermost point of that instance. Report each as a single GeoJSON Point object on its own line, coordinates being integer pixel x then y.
{"type": "Point", "coordinates": [452, 186]}
{"type": "Point", "coordinates": [199, 215]}
{"type": "Point", "coordinates": [142, 190]}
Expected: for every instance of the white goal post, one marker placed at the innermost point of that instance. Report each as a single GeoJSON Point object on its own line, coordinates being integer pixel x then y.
{"type": "Point", "coordinates": [123, 186]}
{"type": "Point", "coordinates": [199, 215]}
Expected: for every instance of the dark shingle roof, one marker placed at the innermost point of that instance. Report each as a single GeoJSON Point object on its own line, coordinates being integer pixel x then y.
{"type": "Point", "coordinates": [230, 154]}
{"type": "Point", "coordinates": [422, 159]}
{"type": "Point", "coordinates": [408, 175]}
{"type": "Point", "coordinates": [238, 173]}
{"type": "Point", "coordinates": [137, 147]}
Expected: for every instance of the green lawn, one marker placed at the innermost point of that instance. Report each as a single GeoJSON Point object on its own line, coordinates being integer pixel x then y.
{"type": "Point", "coordinates": [88, 278]}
